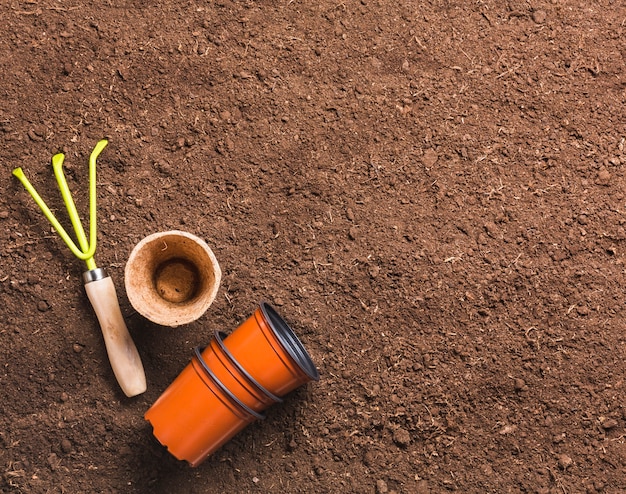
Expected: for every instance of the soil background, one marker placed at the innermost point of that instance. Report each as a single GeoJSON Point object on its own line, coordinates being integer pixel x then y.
{"type": "Point", "coordinates": [432, 194]}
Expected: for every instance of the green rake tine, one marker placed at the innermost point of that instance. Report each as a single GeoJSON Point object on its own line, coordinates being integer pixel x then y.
{"type": "Point", "coordinates": [93, 236]}
{"type": "Point", "coordinates": [57, 166]}
{"type": "Point", "coordinates": [87, 249]}
{"type": "Point", "coordinates": [19, 173]}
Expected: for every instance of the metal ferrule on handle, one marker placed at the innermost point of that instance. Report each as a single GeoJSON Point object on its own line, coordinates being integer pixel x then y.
{"type": "Point", "coordinates": [94, 275]}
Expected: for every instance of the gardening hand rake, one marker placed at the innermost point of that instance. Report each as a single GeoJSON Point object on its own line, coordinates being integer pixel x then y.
{"type": "Point", "coordinates": [121, 350]}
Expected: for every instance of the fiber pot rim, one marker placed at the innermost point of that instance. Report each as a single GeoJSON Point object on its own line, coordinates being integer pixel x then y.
{"type": "Point", "coordinates": [218, 338]}
{"type": "Point", "coordinates": [288, 339]}
{"type": "Point", "coordinates": [152, 253]}
{"type": "Point", "coordinates": [224, 389]}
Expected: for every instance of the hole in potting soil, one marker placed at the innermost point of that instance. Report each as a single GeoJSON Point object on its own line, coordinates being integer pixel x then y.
{"type": "Point", "coordinates": [177, 280]}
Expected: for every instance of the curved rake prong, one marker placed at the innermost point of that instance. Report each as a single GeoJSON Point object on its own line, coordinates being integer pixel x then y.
{"type": "Point", "coordinates": [18, 172]}
{"type": "Point", "coordinates": [87, 249]}
{"type": "Point", "coordinates": [93, 237]}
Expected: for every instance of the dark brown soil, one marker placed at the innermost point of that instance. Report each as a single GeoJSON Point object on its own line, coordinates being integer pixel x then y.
{"type": "Point", "coordinates": [430, 192]}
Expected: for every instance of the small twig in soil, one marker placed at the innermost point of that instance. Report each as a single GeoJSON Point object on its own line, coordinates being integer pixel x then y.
{"type": "Point", "coordinates": [509, 71]}
{"type": "Point", "coordinates": [29, 12]}
{"type": "Point", "coordinates": [533, 341]}
{"type": "Point", "coordinates": [419, 43]}
{"type": "Point", "coordinates": [495, 191]}
{"type": "Point", "coordinates": [432, 420]}
{"type": "Point", "coordinates": [64, 9]}
{"type": "Point", "coordinates": [514, 262]}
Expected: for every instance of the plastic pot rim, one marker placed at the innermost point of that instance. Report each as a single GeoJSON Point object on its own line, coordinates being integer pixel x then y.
{"type": "Point", "coordinates": [289, 341]}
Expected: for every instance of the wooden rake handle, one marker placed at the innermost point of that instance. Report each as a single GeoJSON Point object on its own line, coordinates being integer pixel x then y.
{"type": "Point", "coordinates": [121, 349]}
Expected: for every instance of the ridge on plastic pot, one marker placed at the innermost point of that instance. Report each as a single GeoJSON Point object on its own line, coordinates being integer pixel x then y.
{"type": "Point", "coordinates": [234, 377]}
{"type": "Point", "coordinates": [271, 353]}
{"type": "Point", "coordinates": [197, 414]}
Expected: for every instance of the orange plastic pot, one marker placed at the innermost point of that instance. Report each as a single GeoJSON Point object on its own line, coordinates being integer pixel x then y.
{"type": "Point", "coordinates": [197, 414]}
{"type": "Point", "coordinates": [234, 377]}
{"type": "Point", "coordinates": [268, 349]}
